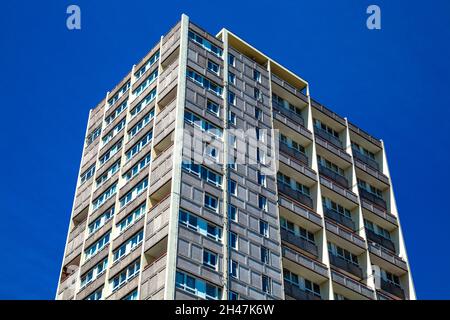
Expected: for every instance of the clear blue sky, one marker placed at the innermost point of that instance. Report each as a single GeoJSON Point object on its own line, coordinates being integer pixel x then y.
{"type": "Point", "coordinates": [394, 83]}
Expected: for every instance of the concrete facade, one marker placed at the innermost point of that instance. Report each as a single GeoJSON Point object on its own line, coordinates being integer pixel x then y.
{"type": "Point", "coordinates": [144, 225]}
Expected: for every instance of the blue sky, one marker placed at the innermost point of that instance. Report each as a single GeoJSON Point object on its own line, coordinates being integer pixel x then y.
{"type": "Point", "coordinates": [394, 83]}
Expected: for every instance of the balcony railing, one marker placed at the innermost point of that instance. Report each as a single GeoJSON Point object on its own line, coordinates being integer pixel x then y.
{"type": "Point", "coordinates": [367, 160]}
{"type": "Point", "coordinates": [295, 194]}
{"type": "Point", "coordinates": [297, 293]}
{"type": "Point", "coordinates": [388, 256]}
{"type": "Point", "coordinates": [299, 242]}
{"type": "Point", "coordinates": [339, 218]}
{"type": "Point", "coordinates": [294, 153]}
{"type": "Point", "coordinates": [328, 136]}
{"type": "Point", "coordinates": [339, 179]}
{"type": "Point", "coordinates": [392, 288]}
{"type": "Point", "coordinates": [386, 243]}
{"type": "Point", "coordinates": [343, 264]}
{"type": "Point", "coordinates": [278, 107]}
{"type": "Point", "coordinates": [373, 198]}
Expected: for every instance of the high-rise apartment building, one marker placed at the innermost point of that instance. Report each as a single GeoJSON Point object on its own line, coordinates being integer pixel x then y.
{"type": "Point", "coordinates": [280, 198]}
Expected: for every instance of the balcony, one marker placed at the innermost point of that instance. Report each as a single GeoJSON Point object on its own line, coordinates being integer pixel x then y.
{"type": "Point", "coordinates": [289, 88]}
{"type": "Point", "coordinates": [392, 288]}
{"type": "Point", "coordinates": [336, 177]}
{"type": "Point", "coordinates": [387, 255]}
{"type": "Point", "coordinates": [345, 234]}
{"type": "Point", "coordinates": [339, 218]}
{"type": "Point", "coordinates": [367, 160]}
{"type": "Point", "coordinates": [279, 108]}
{"type": "Point", "coordinates": [294, 194]}
{"type": "Point", "coordinates": [353, 285]}
{"type": "Point", "coordinates": [297, 293]}
{"type": "Point", "coordinates": [386, 243]}
{"type": "Point", "coordinates": [301, 260]}
{"type": "Point", "coordinates": [299, 242]}
{"type": "Point", "coordinates": [343, 264]}
{"type": "Point", "coordinates": [328, 137]}
{"type": "Point", "coordinates": [294, 153]}
{"type": "Point", "coordinates": [380, 213]}
{"type": "Point", "coordinates": [373, 198]}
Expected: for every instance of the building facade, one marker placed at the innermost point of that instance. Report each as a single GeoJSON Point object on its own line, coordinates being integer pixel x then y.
{"type": "Point", "coordinates": [306, 211]}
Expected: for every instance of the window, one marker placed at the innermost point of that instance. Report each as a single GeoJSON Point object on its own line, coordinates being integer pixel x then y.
{"type": "Point", "coordinates": [185, 282]}
{"type": "Point", "coordinates": [204, 173]}
{"type": "Point", "coordinates": [331, 205]}
{"type": "Point", "coordinates": [151, 61]}
{"type": "Point", "coordinates": [137, 167]}
{"type": "Point", "coordinates": [111, 152]}
{"type": "Point", "coordinates": [233, 295]}
{"type": "Point", "coordinates": [212, 292]}
{"type": "Point", "coordinates": [94, 135]}
{"type": "Point", "coordinates": [131, 296]}
{"type": "Point", "coordinates": [119, 94]}
{"type": "Point", "coordinates": [211, 202]}
{"type": "Point", "coordinates": [101, 220]}
{"type": "Point", "coordinates": [134, 193]}
{"type": "Point", "coordinates": [213, 67]}
{"type": "Point", "coordinates": [234, 269]}
{"type": "Point", "coordinates": [232, 213]}
{"type": "Point", "coordinates": [116, 112]}
{"type": "Point", "coordinates": [131, 218]}
{"type": "Point", "coordinates": [231, 98]}
{"type": "Point", "coordinates": [265, 255]}
{"type": "Point", "coordinates": [231, 78]}
{"type": "Point", "coordinates": [210, 259]}
{"type": "Point", "coordinates": [128, 246]}
{"type": "Point", "coordinates": [377, 229]}
{"type": "Point", "coordinates": [104, 196]}
{"type": "Point", "coordinates": [256, 75]}
{"type": "Point", "coordinates": [322, 126]}
{"type": "Point", "coordinates": [330, 165]}
{"type": "Point", "coordinates": [141, 124]}
{"type": "Point", "coordinates": [114, 132]}
{"type": "Point", "coordinates": [261, 179]}
{"type": "Point", "coordinates": [264, 228]}
{"type": "Point", "coordinates": [363, 150]}
{"type": "Point", "coordinates": [146, 101]}
{"type": "Point", "coordinates": [126, 275]}
{"type": "Point", "coordinates": [231, 60]}
{"type": "Point", "coordinates": [312, 287]}
{"type": "Point", "coordinates": [391, 278]}
{"type": "Point", "coordinates": [257, 94]}
{"type": "Point", "coordinates": [85, 176]}
{"type": "Point", "coordinates": [262, 202]}
{"type": "Point", "coordinates": [232, 117]}
{"type": "Point", "coordinates": [292, 144]}
{"type": "Point", "coordinates": [108, 174]}
{"type": "Point", "coordinates": [204, 125]}
{"type": "Point", "coordinates": [258, 113]}
{"type": "Point", "coordinates": [205, 83]}
{"type": "Point", "coordinates": [212, 107]}
{"type": "Point", "coordinates": [260, 156]}
{"type": "Point", "coordinates": [97, 246]}
{"type": "Point", "coordinates": [97, 295]}
{"type": "Point", "coordinates": [199, 225]}
{"type": "Point", "coordinates": [266, 284]}
{"type": "Point", "coordinates": [297, 230]}
{"type": "Point", "coordinates": [205, 43]}
{"type": "Point", "coordinates": [233, 240]}
{"type": "Point", "coordinates": [369, 188]}
{"type": "Point", "coordinates": [232, 186]}
{"type": "Point", "coordinates": [211, 151]}
{"type": "Point", "coordinates": [342, 253]}
{"type": "Point", "coordinates": [139, 145]}
{"type": "Point", "coordinates": [144, 85]}
{"type": "Point", "coordinates": [92, 274]}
